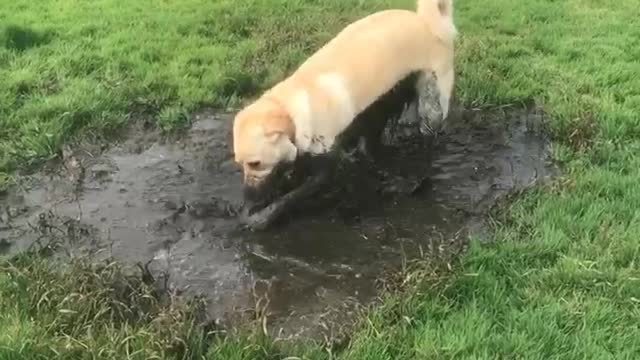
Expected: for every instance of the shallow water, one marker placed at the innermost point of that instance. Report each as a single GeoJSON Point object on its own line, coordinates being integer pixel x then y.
{"type": "Point", "coordinates": [171, 205]}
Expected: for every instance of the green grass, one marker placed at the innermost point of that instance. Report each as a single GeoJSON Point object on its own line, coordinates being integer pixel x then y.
{"type": "Point", "coordinates": [87, 310]}
{"type": "Point", "coordinates": [561, 280]}
{"type": "Point", "coordinates": [72, 64]}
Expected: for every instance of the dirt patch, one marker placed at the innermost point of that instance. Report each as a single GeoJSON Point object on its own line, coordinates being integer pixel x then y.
{"type": "Point", "coordinates": [172, 206]}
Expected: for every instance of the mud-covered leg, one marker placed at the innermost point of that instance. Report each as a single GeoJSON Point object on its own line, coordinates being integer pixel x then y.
{"type": "Point", "coordinates": [265, 217]}
{"type": "Point", "coordinates": [320, 171]}
{"type": "Point", "coordinates": [365, 149]}
{"type": "Point", "coordinates": [430, 110]}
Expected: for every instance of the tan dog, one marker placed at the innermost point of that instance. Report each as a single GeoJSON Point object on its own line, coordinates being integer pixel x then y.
{"type": "Point", "coordinates": [308, 110]}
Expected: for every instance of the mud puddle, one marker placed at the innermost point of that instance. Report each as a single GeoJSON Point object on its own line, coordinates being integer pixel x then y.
{"type": "Point", "coordinates": [171, 206]}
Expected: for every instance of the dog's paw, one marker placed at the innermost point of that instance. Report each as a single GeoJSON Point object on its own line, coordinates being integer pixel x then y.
{"type": "Point", "coordinates": [257, 222]}
{"type": "Point", "coordinates": [426, 128]}
{"type": "Point", "coordinates": [431, 118]}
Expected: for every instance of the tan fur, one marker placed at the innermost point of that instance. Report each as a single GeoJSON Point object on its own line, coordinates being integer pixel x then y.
{"type": "Point", "coordinates": [306, 111]}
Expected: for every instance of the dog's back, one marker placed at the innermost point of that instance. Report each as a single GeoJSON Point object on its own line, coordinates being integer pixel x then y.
{"type": "Point", "coordinates": [373, 54]}
{"type": "Point", "coordinates": [366, 60]}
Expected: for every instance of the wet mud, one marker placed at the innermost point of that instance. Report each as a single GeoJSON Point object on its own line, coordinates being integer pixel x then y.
{"type": "Point", "coordinates": [172, 206]}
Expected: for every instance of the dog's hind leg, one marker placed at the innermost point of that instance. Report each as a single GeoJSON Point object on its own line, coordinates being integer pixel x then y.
{"type": "Point", "coordinates": [431, 112]}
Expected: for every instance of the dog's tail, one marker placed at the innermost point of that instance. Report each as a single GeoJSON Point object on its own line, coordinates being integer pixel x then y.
{"type": "Point", "coordinates": [439, 16]}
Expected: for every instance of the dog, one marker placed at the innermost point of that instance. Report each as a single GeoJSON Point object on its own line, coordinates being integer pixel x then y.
{"type": "Point", "coordinates": [362, 137]}
{"type": "Point", "coordinates": [306, 113]}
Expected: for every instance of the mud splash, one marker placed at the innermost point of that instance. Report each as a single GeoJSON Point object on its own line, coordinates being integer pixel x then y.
{"type": "Point", "coordinates": [171, 206]}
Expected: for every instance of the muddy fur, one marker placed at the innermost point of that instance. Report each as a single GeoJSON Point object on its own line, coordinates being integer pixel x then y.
{"type": "Point", "coordinates": [291, 183]}
{"type": "Point", "coordinates": [307, 111]}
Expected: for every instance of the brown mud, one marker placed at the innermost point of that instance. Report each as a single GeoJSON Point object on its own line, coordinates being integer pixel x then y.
{"type": "Point", "coordinates": [172, 206]}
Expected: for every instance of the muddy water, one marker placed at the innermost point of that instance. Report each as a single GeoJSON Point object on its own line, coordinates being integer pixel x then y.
{"type": "Point", "coordinates": [171, 206]}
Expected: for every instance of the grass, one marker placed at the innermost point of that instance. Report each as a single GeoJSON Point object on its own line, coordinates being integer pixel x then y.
{"type": "Point", "coordinates": [74, 65]}
{"type": "Point", "coordinates": [561, 280]}
{"type": "Point", "coordinates": [97, 311]}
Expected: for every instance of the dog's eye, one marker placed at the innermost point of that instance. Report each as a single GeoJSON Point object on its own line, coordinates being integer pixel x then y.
{"type": "Point", "coordinates": [253, 164]}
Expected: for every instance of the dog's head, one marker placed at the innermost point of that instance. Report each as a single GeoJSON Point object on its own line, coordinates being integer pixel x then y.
{"type": "Point", "coordinates": [263, 136]}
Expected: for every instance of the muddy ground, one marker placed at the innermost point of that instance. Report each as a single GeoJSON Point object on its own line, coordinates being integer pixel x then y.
{"type": "Point", "coordinates": [172, 205]}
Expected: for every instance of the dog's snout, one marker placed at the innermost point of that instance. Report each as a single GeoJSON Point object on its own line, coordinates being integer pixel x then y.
{"type": "Point", "coordinates": [251, 180]}
{"type": "Point", "coordinates": [253, 194]}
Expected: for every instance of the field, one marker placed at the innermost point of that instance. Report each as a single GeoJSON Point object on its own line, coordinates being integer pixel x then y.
{"type": "Point", "coordinates": [560, 280]}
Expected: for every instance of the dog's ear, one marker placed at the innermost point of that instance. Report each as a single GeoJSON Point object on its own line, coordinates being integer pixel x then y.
{"type": "Point", "coordinates": [278, 122]}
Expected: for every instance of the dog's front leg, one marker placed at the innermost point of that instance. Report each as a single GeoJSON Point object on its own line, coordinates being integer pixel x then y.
{"type": "Point", "coordinates": [265, 217]}
{"type": "Point", "coordinates": [318, 178]}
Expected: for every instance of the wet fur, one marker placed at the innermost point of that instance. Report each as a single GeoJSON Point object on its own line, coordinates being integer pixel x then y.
{"type": "Point", "coordinates": [319, 170]}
